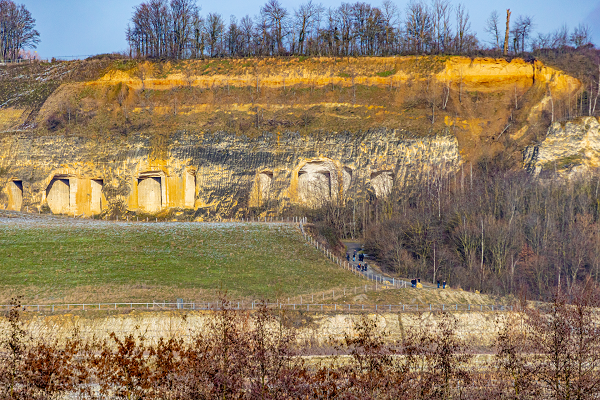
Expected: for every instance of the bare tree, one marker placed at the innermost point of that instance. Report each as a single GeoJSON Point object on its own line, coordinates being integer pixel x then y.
{"type": "Point", "coordinates": [521, 32]}
{"type": "Point", "coordinates": [215, 28]}
{"type": "Point", "coordinates": [441, 10]}
{"type": "Point", "coordinates": [492, 27]}
{"type": "Point", "coordinates": [560, 37]}
{"type": "Point", "coordinates": [418, 26]}
{"type": "Point", "coordinates": [580, 35]}
{"type": "Point", "coordinates": [17, 30]}
{"type": "Point", "coordinates": [304, 21]}
{"type": "Point", "coordinates": [247, 32]}
{"type": "Point", "coordinates": [463, 26]}
{"type": "Point", "coordinates": [276, 17]}
{"type": "Point", "coordinates": [391, 18]}
{"type": "Point", "coordinates": [183, 13]}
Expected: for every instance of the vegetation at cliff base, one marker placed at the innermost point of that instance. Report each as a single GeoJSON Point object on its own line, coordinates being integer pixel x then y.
{"type": "Point", "coordinates": [63, 259]}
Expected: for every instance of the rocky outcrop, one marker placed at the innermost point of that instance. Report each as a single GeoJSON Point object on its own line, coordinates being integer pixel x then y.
{"type": "Point", "coordinates": [313, 328]}
{"type": "Point", "coordinates": [213, 174]}
{"type": "Point", "coordinates": [569, 147]}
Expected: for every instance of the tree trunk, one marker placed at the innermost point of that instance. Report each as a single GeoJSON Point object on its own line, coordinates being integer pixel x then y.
{"type": "Point", "coordinates": [506, 35]}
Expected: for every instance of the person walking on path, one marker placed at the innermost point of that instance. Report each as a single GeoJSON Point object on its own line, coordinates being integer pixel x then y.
{"type": "Point", "coordinates": [438, 284]}
{"type": "Point", "coordinates": [444, 284]}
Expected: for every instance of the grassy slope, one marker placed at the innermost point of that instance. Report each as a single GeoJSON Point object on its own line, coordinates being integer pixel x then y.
{"type": "Point", "coordinates": [50, 260]}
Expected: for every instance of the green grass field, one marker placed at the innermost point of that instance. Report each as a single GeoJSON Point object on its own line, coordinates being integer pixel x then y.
{"type": "Point", "coordinates": [48, 259]}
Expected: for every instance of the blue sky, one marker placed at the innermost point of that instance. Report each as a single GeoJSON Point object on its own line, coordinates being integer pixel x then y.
{"type": "Point", "coordinates": [87, 27]}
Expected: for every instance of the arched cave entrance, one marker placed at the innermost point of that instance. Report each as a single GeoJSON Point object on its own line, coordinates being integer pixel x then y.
{"type": "Point", "coordinates": [317, 182]}
{"type": "Point", "coordinates": [58, 195]}
{"type": "Point", "coordinates": [150, 192]}
{"type": "Point", "coordinates": [265, 179]}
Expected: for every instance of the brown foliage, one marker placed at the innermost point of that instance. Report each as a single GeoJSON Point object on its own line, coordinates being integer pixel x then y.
{"type": "Point", "coordinates": [551, 352]}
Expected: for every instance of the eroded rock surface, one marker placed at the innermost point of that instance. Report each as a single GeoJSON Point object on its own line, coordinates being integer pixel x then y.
{"type": "Point", "coordinates": [570, 147]}
{"type": "Point", "coordinates": [216, 174]}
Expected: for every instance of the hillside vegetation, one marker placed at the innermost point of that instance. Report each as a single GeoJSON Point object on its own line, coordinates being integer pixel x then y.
{"type": "Point", "coordinates": [484, 102]}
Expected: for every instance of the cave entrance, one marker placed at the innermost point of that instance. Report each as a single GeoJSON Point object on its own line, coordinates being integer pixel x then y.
{"type": "Point", "coordinates": [190, 189]}
{"type": "Point", "coordinates": [265, 179]}
{"type": "Point", "coordinates": [58, 195]}
{"type": "Point", "coordinates": [96, 197]}
{"type": "Point", "coordinates": [150, 193]}
{"type": "Point", "coordinates": [15, 195]}
{"type": "Point", "coordinates": [314, 182]}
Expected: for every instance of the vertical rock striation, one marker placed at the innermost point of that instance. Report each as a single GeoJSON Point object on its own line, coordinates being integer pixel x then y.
{"type": "Point", "coordinates": [215, 174]}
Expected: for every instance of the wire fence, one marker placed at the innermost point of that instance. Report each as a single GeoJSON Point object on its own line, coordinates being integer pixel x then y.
{"type": "Point", "coordinates": [382, 281]}
{"type": "Point", "coordinates": [241, 305]}
{"type": "Point", "coordinates": [299, 302]}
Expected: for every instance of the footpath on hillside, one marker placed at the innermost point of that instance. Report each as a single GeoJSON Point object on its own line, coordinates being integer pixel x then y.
{"type": "Point", "coordinates": [352, 247]}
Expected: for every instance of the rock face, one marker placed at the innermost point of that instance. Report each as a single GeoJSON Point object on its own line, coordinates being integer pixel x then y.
{"type": "Point", "coordinates": [476, 328]}
{"type": "Point", "coordinates": [216, 175]}
{"type": "Point", "coordinates": [569, 147]}
{"type": "Point", "coordinates": [214, 138]}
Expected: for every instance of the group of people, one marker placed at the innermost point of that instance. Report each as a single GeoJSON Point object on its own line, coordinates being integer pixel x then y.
{"type": "Point", "coordinates": [362, 267]}
{"type": "Point", "coordinates": [361, 258]}
{"type": "Point", "coordinates": [417, 283]}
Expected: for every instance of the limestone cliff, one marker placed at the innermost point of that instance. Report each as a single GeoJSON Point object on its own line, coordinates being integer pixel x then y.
{"type": "Point", "coordinates": [569, 147]}
{"type": "Point", "coordinates": [313, 328]}
{"type": "Point", "coordinates": [212, 174]}
{"type": "Point", "coordinates": [214, 138]}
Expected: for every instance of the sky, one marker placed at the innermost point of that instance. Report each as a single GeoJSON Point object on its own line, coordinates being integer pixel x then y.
{"type": "Point", "coordinates": [80, 28]}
